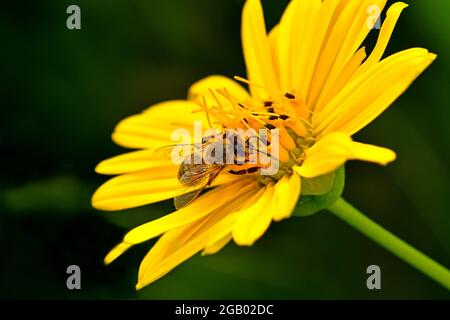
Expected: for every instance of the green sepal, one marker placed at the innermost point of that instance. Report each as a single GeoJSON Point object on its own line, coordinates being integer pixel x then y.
{"type": "Point", "coordinates": [310, 204]}
{"type": "Point", "coordinates": [318, 186]}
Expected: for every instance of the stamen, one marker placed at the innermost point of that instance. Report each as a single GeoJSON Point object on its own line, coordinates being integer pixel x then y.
{"type": "Point", "coordinates": [234, 103]}
{"type": "Point", "coordinates": [251, 83]}
{"type": "Point", "coordinates": [240, 79]}
{"type": "Point", "coordinates": [245, 122]}
{"type": "Point", "coordinates": [215, 98]}
{"type": "Point", "coordinates": [290, 96]}
{"type": "Point", "coordinates": [204, 107]}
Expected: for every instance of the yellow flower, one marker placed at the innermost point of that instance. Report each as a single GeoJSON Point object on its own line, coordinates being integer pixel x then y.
{"type": "Point", "coordinates": [311, 79]}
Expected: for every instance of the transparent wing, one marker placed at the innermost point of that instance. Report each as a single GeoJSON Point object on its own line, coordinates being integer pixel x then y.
{"type": "Point", "coordinates": [196, 180]}
{"type": "Point", "coordinates": [190, 194]}
{"type": "Point", "coordinates": [175, 153]}
{"type": "Point", "coordinates": [178, 152]}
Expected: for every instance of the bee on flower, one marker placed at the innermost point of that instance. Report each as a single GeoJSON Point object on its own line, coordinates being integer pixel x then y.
{"type": "Point", "coordinates": [309, 80]}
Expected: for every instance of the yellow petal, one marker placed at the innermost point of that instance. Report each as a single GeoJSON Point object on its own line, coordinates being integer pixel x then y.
{"type": "Point", "coordinates": [281, 46]}
{"type": "Point", "coordinates": [144, 187]}
{"type": "Point", "coordinates": [346, 31]}
{"type": "Point", "coordinates": [137, 189]}
{"type": "Point", "coordinates": [173, 248]}
{"type": "Point", "coordinates": [188, 220]}
{"type": "Point", "coordinates": [273, 40]}
{"type": "Point", "coordinates": [254, 220]}
{"type": "Point", "coordinates": [287, 192]}
{"type": "Point", "coordinates": [200, 208]}
{"type": "Point", "coordinates": [166, 245]}
{"type": "Point", "coordinates": [217, 246]}
{"type": "Point", "coordinates": [303, 32]}
{"type": "Point", "coordinates": [180, 244]}
{"type": "Point", "coordinates": [162, 268]}
{"type": "Point", "coordinates": [351, 68]}
{"type": "Point", "coordinates": [225, 226]}
{"type": "Point", "coordinates": [371, 92]}
{"type": "Point", "coordinates": [135, 195]}
{"type": "Point", "coordinates": [116, 252]}
{"type": "Point", "coordinates": [385, 34]}
{"type": "Point", "coordinates": [176, 239]}
{"type": "Point", "coordinates": [128, 162]}
{"type": "Point", "coordinates": [360, 27]}
{"type": "Point", "coordinates": [257, 51]}
{"type": "Point", "coordinates": [335, 149]}
{"type": "Point", "coordinates": [305, 45]}
{"type": "Point", "coordinates": [371, 153]}
{"type": "Point", "coordinates": [154, 127]}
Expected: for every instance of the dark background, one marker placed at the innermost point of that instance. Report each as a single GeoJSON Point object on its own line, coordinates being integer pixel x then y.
{"type": "Point", "coordinates": [63, 92]}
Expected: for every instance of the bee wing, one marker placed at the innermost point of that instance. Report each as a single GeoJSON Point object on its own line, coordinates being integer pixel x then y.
{"type": "Point", "coordinates": [191, 193]}
{"type": "Point", "coordinates": [176, 152]}
{"type": "Point", "coordinates": [199, 179]}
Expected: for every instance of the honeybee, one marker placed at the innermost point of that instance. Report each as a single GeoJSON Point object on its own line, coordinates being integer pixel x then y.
{"type": "Point", "coordinates": [205, 161]}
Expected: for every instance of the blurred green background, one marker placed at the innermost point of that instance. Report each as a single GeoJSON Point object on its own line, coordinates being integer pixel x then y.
{"type": "Point", "coordinates": [63, 92]}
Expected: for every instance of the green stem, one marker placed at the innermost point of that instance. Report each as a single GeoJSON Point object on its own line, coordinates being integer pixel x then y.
{"type": "Point", "coordinates": [417, 259]}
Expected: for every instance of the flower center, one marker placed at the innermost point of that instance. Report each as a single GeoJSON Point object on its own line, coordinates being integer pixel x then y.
{"type": "Point", "coordinates": [282, 111]}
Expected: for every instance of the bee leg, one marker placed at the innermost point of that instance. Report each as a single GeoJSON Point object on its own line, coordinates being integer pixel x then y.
{"type": "Point", "coordinates": [240, 172]}
{"type": "Point", "coordinates": [252, 170]}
